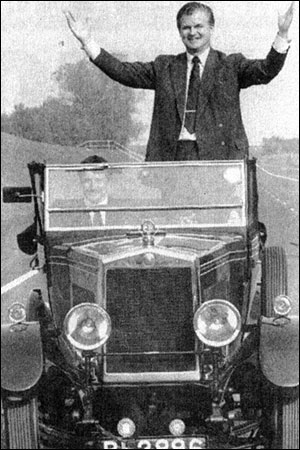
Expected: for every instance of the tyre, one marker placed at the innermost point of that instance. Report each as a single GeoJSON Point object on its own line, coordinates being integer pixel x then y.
{"type": "Point", "coordinates": [285, 416]}
{"type": "Point", "coordinates": [20, 423]}
{"type": "Point", "coordinates": [281, 405]}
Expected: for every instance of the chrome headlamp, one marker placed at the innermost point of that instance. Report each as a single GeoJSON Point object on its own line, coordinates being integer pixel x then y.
{"type": "Point", "coordinates": [217, 323]}
{"type": "Point", "coordinates": [87, 326]}
{"type": "Point", "coordinates": [126, 428]}
{"type": "Point", "coordinates": [17, 312]}
{"type": "Point", "coordinates": [282, 305]}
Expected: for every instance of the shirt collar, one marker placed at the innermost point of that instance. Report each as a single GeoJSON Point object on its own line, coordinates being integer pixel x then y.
{"type": "Point", "coordinates": [203, 57]}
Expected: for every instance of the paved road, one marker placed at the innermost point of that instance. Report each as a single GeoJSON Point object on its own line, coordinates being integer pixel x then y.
{"type": "Point", "coordinates": [14, 263]}
{"type": "Point", "coordinates": [279, 210]}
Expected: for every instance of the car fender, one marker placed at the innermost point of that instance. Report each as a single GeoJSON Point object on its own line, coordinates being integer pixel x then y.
{"type": "Point", "coordinates": [279, 351]}
{"type": "Point", "coordinates": [21, 356]}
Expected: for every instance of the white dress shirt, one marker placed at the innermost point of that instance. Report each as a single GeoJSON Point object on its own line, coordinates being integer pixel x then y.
{"type": "Point", "coordinates": [92, 213]}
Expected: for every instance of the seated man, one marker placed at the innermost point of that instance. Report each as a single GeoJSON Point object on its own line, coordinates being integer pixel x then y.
{"type": "Point", "coordinates": [94, 186]}
{"type": "Point", "coordinates": [95, 192]}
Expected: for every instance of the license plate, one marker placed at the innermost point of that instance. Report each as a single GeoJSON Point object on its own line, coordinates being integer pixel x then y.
{"type": "Point", "coordinates": [177, 443]}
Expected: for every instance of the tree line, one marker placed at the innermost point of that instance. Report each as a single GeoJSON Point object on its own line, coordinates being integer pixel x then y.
{"type": "Point", "coordinates": [89, 106]}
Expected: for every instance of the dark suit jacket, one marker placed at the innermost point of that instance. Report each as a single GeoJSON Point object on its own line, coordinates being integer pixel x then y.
{"type": "Point", "coordinates": [219, 128]}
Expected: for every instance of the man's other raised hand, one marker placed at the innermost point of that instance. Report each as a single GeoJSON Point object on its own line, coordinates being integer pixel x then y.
{"type": "Point", "coordinates": [81, 30]}
{"type": "Point", "coordinates": [285, 21]}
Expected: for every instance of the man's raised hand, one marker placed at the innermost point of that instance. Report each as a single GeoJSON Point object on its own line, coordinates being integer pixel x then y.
{"type": "Point", "coordinates": [285, 21]}
{"type": "Point", "coordinates": [81, 30]}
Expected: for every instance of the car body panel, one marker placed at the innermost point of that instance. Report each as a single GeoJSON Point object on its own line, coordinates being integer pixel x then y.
{"type": "Point", "coordinates": [279, 351]}
{"type": "Point", "coordinates": [21, 356]}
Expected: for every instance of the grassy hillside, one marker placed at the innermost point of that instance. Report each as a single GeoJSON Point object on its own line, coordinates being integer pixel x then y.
{"type": "Point", "coordinates": [17, 152]}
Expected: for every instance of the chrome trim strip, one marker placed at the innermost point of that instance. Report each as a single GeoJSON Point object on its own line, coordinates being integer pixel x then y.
{"type": "Point", "coordinates": [179, 226]}
{"type": "Point", "coordinates": [219, 258]}
{"type": "Point", "coordinates": [77, 266]}
{"type": "Point", "coordinates": [223, 264]}
{"type": "Point", "coordinates": [184, 255]}
{"type": "Point", "coordinates": [217, 163]}
{"type": "Point", "coordinates": [146, 208]}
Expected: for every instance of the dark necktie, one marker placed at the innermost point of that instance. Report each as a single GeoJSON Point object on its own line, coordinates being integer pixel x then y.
{"type": "Point", "coordinates": [192, 98]}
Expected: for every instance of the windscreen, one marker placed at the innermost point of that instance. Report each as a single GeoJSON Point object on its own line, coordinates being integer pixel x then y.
{"type": "Point", "coordinates": [171, 195]}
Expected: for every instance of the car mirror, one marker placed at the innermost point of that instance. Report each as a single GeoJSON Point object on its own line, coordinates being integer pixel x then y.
{"type": "Point", "coordinates": [17, 195]}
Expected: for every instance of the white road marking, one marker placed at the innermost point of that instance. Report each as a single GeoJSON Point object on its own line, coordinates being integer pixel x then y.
{"type": "Point", "coordinates": [274, 197]}
{"type": "Point", "coordinates": [18, 281]}
{"type": "Point", "coordinates": [277, 176]}
{"type": "Point", "coordinates": [275, 167]}
{"type": "Point", "coordinates": [278, 200]}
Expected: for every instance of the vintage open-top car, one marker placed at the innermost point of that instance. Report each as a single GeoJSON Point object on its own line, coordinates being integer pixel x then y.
{"type": "Point", "coordinates": [167, 322]}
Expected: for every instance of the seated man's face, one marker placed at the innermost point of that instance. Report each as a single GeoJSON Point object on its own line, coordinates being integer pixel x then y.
{"type": "Point", "coordinates": [94, 185]}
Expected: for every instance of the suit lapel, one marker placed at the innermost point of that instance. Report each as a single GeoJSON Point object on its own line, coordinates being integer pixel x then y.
{"type": "Point", "coordinates": [207, 81]}
{"type": "Point", "coordinates": [178, 75]}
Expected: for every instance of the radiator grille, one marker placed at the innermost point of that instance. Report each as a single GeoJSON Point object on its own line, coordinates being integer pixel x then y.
{"type": "Point", "coordinates": [151, 311]}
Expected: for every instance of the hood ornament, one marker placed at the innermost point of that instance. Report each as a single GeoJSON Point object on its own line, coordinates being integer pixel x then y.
{"type": "Point", "coordinates": [148, 231]}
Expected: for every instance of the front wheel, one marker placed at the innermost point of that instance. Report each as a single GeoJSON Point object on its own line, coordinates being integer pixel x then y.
{"type": "Point", "coordinates": [20, 422]}
{"type": "Point", "coordinates": [285, 416]}
{"type": "Point", "coordinates": [281, 405]}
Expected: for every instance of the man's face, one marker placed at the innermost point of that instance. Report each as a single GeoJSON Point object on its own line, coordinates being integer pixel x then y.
{"type": "Point", "coordinates": [196, 32]}
{"type": "Point", "coordinates": [94, 185]}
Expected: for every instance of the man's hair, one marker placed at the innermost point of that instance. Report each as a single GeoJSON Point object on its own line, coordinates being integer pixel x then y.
{"type": "Point", "coordinates": [189, 8]}
{"type": "Point", "coordinates": [94, 159]}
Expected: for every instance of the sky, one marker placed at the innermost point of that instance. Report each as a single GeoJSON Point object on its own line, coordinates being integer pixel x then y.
{"type": "Point", "coordinates": [35, 41]}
